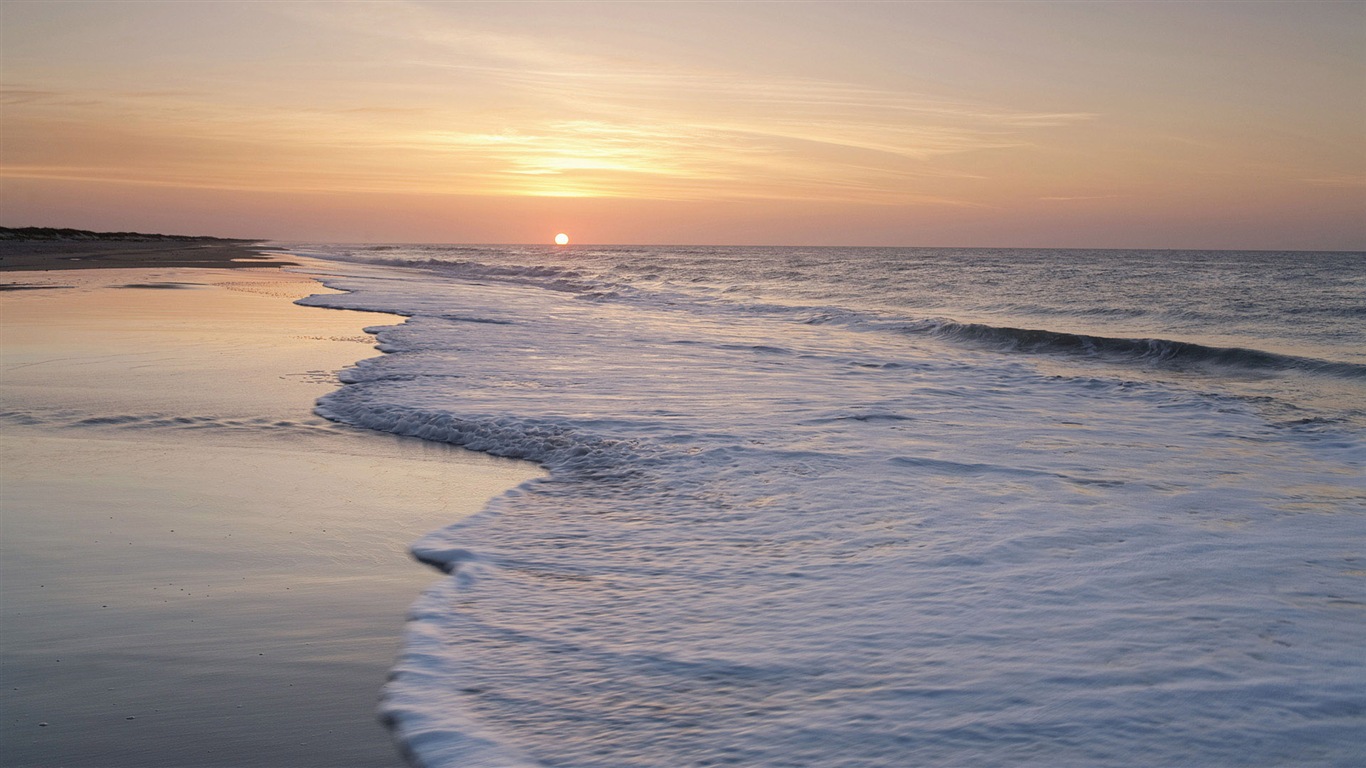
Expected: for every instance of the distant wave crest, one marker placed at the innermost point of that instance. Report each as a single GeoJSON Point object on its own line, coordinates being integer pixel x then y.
{"type": "Point", "coordinates": [1160, 352]}
{"type": "Point", "coordinates": [1150, 351]}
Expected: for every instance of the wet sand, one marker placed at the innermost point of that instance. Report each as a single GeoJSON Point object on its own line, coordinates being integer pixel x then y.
{"type": "Point", "coordinates": [29, 255]}
{"type": "Point", "coordinates": [196, 570]}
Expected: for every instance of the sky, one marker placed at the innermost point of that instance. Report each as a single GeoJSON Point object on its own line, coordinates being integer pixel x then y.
{"type": "Point", "coordinates": [1017, 124]}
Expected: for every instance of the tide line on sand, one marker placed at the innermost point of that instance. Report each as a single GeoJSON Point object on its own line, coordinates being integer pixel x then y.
{"type": "Point", "coordinates": [197, 569]}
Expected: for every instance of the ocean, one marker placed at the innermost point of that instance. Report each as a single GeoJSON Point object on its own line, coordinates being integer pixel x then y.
{"type": "Point", "coordinates": [879, 507]}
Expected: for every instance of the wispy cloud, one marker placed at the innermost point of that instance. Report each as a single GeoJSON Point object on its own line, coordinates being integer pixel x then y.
{"type": "Point", "coordinates": [443, 107]}
{"type": "Point", "coordinates": [565, 120]}
{"type": "Point", "coordinates": [1344, 181]}
{"type": "Point", "coordinates": [10, 95]}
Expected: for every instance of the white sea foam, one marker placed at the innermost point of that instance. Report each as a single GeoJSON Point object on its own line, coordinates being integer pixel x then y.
{"type": "Point", "coordinates": [767, 541]}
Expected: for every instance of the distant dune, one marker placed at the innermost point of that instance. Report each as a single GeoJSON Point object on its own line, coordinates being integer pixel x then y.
{"type": "Point", "coordinates": [47, 248]}
{"type": "Point", "coordinates": [63, 233]}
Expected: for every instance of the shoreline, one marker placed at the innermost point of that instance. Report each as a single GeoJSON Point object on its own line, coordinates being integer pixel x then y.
{"type": "Point", "coordinates": [198, 570]}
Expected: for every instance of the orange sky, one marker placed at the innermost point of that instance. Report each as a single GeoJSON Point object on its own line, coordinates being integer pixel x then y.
{"type": "Point", "coordinates": [1221, 125]}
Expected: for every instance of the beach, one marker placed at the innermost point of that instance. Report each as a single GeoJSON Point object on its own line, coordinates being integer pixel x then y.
{"type": "Point", "coordinates": [799, 507]}
{"type": "Point", "coordinates": [197, 570]}
{"type": "Point", "coordinates": [766, 385]}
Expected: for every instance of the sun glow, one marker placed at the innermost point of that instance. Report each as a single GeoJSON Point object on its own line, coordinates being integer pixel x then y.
{"type": "Point", "coordinates": [562, 239]}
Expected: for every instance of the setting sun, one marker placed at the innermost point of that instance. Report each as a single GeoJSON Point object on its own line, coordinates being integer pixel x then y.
{"type": "Point", "coordinates": [562, 239]}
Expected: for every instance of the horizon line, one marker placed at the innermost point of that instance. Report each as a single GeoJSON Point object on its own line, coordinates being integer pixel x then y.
{"type": "Point", "coordinates": [551, 244]}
